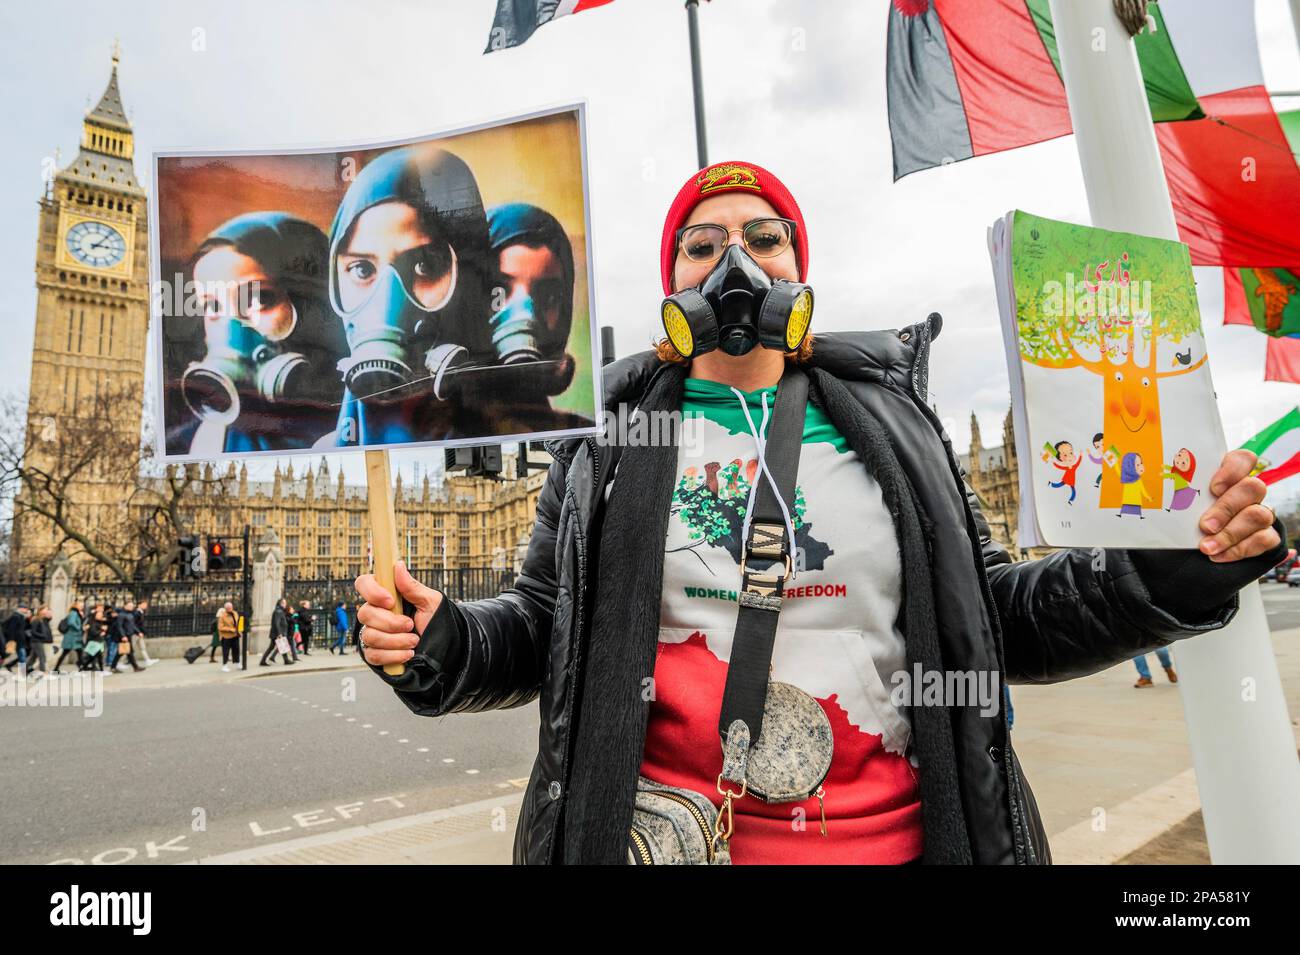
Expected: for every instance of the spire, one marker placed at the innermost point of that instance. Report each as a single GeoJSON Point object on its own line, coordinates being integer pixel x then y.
{"type": "Point", "coordinates": [1009, 438]}
{"type": "Point", "coordinates": [110, 111]}
{"type": "Point", "coordinates": [107, 143]}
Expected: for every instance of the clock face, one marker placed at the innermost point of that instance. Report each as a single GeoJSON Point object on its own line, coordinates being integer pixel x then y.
{"type": "Point", "coordinates": [96, 243]}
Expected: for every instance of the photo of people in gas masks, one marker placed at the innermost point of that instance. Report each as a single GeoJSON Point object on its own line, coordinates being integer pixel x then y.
{"type": "Point", "coordinates": [432, 291]}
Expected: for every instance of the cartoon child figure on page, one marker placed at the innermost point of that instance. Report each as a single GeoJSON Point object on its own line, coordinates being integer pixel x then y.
{"type": "Point", "coordinates": [1180, 471]}
{"type": "Point", "coordinates": [1133, 492]}
{"type": "Point", "coordinates": [1065, 459]}
{"type": "Point", "coordinates": [1099, 458]}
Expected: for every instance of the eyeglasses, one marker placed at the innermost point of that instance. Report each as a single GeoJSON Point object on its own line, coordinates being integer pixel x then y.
{"type": "Point", "coordinates": [762, 238]}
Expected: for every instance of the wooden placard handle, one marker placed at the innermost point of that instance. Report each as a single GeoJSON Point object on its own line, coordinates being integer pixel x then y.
{"type": "Point", "coordinates": [383, 532]}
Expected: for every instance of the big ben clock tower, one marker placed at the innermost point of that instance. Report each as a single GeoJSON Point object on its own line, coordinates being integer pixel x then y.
{"type": "Point", "coordinates": [91, 320]}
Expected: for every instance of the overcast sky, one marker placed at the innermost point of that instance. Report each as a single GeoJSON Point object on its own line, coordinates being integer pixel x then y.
{"type": "Point", "coordinates": [794, 86]}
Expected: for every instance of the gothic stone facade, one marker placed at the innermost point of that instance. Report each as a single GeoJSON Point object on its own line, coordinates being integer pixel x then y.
{"type": "Point", "coordinates": [323, 527]}
{"type": "Point", "coordinates": [994, 475]}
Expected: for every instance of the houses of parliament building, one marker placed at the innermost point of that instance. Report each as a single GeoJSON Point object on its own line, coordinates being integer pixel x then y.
{"type": "Point", "coordinates": [92, 322]}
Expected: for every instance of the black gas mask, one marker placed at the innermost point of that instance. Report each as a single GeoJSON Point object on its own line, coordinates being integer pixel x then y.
{"type": "Point", "coordinates": [737, 307]}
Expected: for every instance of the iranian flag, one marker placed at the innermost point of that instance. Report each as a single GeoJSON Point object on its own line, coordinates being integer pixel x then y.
{"type": "Point", "coordinates": [517, 20]}
{"type": "Point", "coordinates": [968, 79]}
{"type": "Point", "coordinates": [1278, 448]}
{"type": "Point", "coordinates": [1268, 298]}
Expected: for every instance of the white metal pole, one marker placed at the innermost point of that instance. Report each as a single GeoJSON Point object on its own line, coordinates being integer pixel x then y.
{"type": "Point", "coordinates": [1239, 730]}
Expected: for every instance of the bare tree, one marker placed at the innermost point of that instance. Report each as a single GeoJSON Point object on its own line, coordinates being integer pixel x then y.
{"type": "Point", "coordinates": [98, 485]}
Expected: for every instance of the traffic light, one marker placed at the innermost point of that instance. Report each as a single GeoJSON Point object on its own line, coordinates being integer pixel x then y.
{"type": "Point", "coordinates": [190, 560]}
{"type": "Point", "coordinates": [216, 554]}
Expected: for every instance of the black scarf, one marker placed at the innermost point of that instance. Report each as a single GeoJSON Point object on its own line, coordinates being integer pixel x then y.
{"type": "Point", "coordinates": [613, 709]}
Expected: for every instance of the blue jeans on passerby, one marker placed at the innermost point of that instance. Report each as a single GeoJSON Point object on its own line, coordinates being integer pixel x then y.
{"type": "Point", "coordinates": [111, 660]}
{"type": "Point", "coordinates": [1011, 710]}
{"type": "Point", "coordinates": [1141, 663]}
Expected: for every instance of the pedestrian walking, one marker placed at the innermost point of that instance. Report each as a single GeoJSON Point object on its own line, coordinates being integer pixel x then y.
{"type": "Point", "coordinates": [96, 636]}
{"type": "Point", "coordinates": [15, 637]}
{"type": "Point", "coordinates": [141, 610]}
{"type": "Point", "coordinates": [341, 629]}
{"type": "Point", "coordinates": [115, 638]}
{"type": "Point", "coordinates": [126, 634]}
{"type": "Point", "coordinates": [73, 641]}
{"type": "Point", "coordinates": [38, 637]}
{"type": "Point", "coordinates": [121, 633]}
{"type": "Point", "coordinates": [303, 619]}
{"type": "Point", "coordinates": [1144, 672]}
{"type": "Point", "coordinates": [227, 629]}
{"type": "Point", "coordinates": [280, 625]}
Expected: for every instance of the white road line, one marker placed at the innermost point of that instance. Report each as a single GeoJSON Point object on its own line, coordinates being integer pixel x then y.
{"type": "Point", "coordinates": [355, 832]}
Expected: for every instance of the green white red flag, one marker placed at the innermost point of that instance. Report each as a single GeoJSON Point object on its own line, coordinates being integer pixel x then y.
{"type": "Point", "coordinates": [1278, 448]}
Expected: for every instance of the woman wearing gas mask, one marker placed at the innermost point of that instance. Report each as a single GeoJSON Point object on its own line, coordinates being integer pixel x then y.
{"type": "Point", "coordinates": [729, 645]}
{"type": "Point", "coordinates": [409, 273]}
{"type": "Point", "coordinates": [534, 313]}
{"type": "Point", "coordinates": [268, 379]}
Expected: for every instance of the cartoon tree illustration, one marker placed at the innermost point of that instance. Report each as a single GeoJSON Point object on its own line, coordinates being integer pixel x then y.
{"type": "Point", "coordinates": [1132, 320]}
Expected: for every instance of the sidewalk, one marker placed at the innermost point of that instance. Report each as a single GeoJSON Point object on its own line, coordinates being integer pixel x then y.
{"type": "Point", "coordinates": [1109, 765]}
{"type": "Point", "coordinates": [176, 672]}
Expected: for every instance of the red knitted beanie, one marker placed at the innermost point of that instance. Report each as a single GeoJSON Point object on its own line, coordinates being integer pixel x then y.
{"type": "Point", "coordinates": [730, 177]}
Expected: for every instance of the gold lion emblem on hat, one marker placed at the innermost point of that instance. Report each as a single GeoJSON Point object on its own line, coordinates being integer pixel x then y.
{"type": "Point", "coordinates": [728, 176]}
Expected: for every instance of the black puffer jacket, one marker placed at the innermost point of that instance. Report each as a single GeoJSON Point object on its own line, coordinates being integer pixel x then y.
{"type": "Point", "coordinates": [1067, 615]}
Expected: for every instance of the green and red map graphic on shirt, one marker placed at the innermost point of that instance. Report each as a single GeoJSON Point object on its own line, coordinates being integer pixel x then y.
{"type": "Point", "coordinates": [836, 639]}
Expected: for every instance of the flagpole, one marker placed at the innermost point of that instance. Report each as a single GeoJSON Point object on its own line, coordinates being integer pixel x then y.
{"type": "Point", "coordinates": [697, 82]}
{"type": "Point", "coordinates": [1238, 727]}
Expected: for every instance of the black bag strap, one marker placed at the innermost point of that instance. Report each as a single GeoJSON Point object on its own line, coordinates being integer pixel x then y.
{"type": "Point", "coordinates": [765, 562]}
